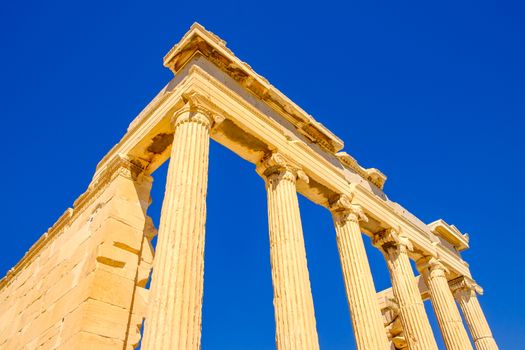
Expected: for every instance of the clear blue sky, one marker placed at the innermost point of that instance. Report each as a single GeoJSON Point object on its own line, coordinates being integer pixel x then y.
{"type": "Point", "coordinates": [431, 94]}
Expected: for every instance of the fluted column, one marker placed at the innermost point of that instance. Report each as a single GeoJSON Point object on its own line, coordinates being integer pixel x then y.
{"type": "Point", "coordinates": [293, 302]}
{"type": "Point", "coordinates": [174, 318]}
{"type": "Point", "coordinates": [450, 323]}
{"type": "Point", "coordinates": [366, 316]}
{"type": "Point", "coordinates": [465, 292]}
{"type": "Point", "coordinates": [416, 326]}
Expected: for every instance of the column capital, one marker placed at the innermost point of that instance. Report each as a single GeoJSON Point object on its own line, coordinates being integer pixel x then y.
{"type": "Point", "coordinates": [275, 165]}
{"type": "Point", "coordinates": [465, 285]}
{"type": "Point", "coordinates": [196, 109]}
{"type": "Point", "coordinates": [431, 266]}
{"type": "Point", "coordinates": [343, 210]}
{"type": "Point", "coordinates": [179, 255]}
{"type": "Point", "coordinates": [391, 238]}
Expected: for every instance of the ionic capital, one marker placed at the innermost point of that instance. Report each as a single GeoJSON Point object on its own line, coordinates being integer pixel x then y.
{"type": "Point", "coordinates": [431, 266]}
{"type": "Point", "coordinates": [275, 165]}
{"type": "Point", "coordinates": [343, 210]}
{"type": "Point", "coordinates": [390, 239]}
{"type": "Point", "coordinates": [464, 286]}
{"type": "Point", "coordinates": [195, 110]}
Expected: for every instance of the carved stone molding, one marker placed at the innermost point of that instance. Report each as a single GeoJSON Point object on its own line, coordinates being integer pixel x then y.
{"type": "Point", "coordinates": [343, 210]}
{"type": "Point", "coordinates": [276, 166]}
{"type": "Point", "coordinates": [214, 50]}
{"type": "Point", "coordinates": [465, 285]}
{"type": "Point", "coordinates": [197, 109]}
{"type": "Point", "coordinates": [465, 292]}
{"type": "Point", "coordinates": [432, 266]}
{"type": "Point", "coordinates": [119, 166]}
{"type": "Point", "coordinates": [391, 239]}
{"type": "Point", "coordinates": [192, 113]}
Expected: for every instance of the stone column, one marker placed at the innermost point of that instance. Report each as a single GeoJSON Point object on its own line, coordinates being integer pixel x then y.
{"type": "Point", "coordinates": [465, 292]}
{"type": "Point", "coordinates": [366, 316]}
{"type": "Point", "coordinates": [293, 302]}
{"type": "Point", "coordinates": [416, 326]}
{"type": "Point", "coordinates": [450, 323]}
{"type": "Point", "coordinates": [174, 318]}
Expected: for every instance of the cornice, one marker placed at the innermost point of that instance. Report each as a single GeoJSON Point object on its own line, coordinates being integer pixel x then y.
{"type": "Point", "coordinates": [198, 39]}
{"type": "Point", "coordinates": [450, 233]}
{"type": "Point", "coordinates": [118, 166]}
{"type": "Point", "coordinates": [371, 174]}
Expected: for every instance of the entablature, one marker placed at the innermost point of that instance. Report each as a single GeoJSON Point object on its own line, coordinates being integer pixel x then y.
{"type": "Point", "coordinates": [373, 175]}
{"type": "Point", "coordinates": [200, 41]}
{"type": "Point", "coordinates": [252, 128]}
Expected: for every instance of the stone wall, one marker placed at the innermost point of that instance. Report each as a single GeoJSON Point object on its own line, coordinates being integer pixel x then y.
{"type": "Point", "coordinates": [82, 285]}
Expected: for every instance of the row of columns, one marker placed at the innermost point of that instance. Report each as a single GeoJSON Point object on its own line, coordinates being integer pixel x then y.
{"type": "Point", "coordinates": [174, 319]}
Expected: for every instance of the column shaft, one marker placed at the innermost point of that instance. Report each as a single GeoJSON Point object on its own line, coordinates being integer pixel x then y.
{"type": "Point", "coordinates": [450, 323]}
{"type": "Point", "coordinates": [293, 302]}
{"type": "Point", "coordinates": [416, 326]}
{"type": "Point", "coordinates": [174, 320]}
{"type": "Point", "coordinates": [476, 321]}
{"type": "Point", "coordinates": [366, 316]}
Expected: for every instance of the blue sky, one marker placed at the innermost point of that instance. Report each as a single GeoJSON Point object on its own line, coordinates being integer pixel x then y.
{"type": "Point", "coordinates": [430, 93]}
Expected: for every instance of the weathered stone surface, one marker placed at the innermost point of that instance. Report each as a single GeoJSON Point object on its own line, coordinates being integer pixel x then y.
{"type": "Point", "coordinates": [450, 323]}
{"type": "Point", "coordinates": [83, 284]}
{"type": "Point", "coordinates": [84, 278]}
{"type": "Point", "coordinates": [466, 293]}
{"type": "Point", "coordinates": [292, 299]}
{"type": "Point", "coordinates": [416, 327]}
{"type": "Point", "coordinates": [174, 319]}
{"type": "Point", "coordinates": [366, 315]}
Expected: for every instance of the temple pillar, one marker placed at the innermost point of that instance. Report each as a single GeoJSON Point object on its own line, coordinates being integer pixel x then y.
{"type": "Point", "coordinates": [416, 326]}
{"type": "Point", "coordinates": [174, 318]}
{"type": "Point", "coordinates": [366, 316]}
{"type": "Point", "coordinates": [450, 323]}
{"type": "Point", "coordinates": [293, 302]}
{"type": "Point", "coordinates": [465, 292]}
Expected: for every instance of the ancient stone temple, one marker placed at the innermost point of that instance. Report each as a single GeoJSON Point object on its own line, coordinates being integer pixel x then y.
{"type": "Point", "coordinates": [84, 283]}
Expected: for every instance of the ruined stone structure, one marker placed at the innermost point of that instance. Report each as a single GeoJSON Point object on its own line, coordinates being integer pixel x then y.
{"type": "Point", "coordinates": [83, 284]}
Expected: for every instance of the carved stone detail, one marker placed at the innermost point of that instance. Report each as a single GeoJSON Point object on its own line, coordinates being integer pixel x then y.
{"type": "Point", "coordinates": [360, 291]}
{"type": "Point", "coordinates": [174, 320]}
{"type": "Point", "coordinates": [466, 293]}
{"type": "Point", "coordinates": [293, 302]}
{"type": "Point", "coordinates": [196, 109]}
{"type": "Point", "coordinates": [416, 326]}
{"type": "Point", "coordinates": [82, 284]}
{"type": "Point", "coordinates": [450, 323]}
{"type": "Point", "coordinates": [390, 240]}
{"type": "Point", "coordinates": [276, 167]}
{"type": "Point", "coordinates": [343, 210]}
